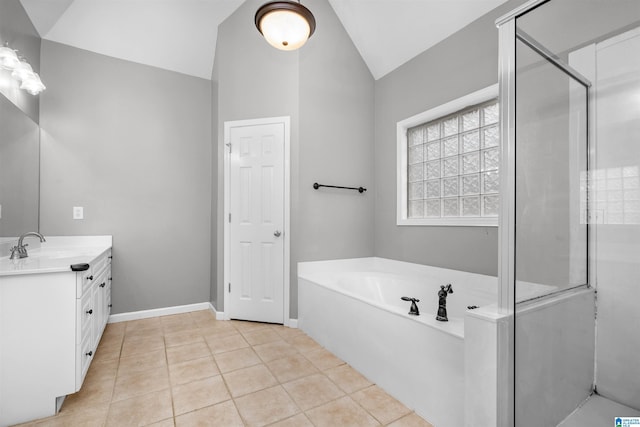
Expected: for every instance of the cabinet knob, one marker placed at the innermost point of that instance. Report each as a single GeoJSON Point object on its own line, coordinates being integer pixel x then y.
{"type": "Point", "coordinates": [110, 278]}
{"type": "Point", "coordinates": [90, 277]}
{"type": "Point", "coordinates": [110, 305]}
{"type": "Point", "coordinates": [89, 311]}
{"type": "Point", "coordinates": [102, 284]}
{"type": "Point", "coordinates": [90, 353]}
{"type": "Point", "coordinates": [110, 256]}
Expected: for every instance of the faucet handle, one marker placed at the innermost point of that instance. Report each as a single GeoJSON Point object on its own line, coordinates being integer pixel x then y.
{"type": "Point", "coordinates": [414, 311]}
{"type": "Point", "coordinates": [16, 252]}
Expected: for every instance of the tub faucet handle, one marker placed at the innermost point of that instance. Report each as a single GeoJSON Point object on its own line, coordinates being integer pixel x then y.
{"type": "Point", "coordinates": [414, 307]}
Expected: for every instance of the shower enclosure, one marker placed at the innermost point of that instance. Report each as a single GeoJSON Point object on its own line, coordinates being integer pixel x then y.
{"type": "Point", "coordinates": [570, 218]}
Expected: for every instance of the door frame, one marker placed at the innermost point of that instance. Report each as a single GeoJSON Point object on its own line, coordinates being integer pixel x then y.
{"type": "Point", "coordinates": [228, 125]}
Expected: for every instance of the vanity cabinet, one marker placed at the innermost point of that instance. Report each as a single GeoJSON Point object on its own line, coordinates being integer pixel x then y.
{"type": "Point", "coordinates": [50, 325]}
{"type": "Point", "coordinates": [93, 308]}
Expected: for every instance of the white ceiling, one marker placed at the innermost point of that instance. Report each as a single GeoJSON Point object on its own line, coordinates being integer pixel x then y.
{"type": "Point", "coordinates": [165, 33]}
{"type": "Point", "coordinates": [388, 33]}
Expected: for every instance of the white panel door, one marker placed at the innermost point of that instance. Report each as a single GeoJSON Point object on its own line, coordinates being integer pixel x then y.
{"type": "Point", "coordinates": [256, 222]}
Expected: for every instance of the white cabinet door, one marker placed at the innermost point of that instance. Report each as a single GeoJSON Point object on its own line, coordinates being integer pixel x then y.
{"type": "Point", "coordinates": [37, 344]}
{"type": "Point", "coordinates": [98, 303]}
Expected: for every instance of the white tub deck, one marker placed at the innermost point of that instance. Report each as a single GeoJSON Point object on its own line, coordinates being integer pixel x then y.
{"type": "Point", "coordinates": [418, 360]}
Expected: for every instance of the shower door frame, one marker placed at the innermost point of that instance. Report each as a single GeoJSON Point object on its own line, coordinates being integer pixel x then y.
{"type": "Point", "coordinates": [507, 38]}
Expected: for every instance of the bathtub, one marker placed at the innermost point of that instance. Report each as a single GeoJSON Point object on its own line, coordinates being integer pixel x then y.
{"type": "Point", "coordinates": [352, 307]}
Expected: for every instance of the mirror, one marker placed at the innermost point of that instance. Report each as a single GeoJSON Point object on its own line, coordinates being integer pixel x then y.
{"type": "Point", "coordinates": [19, 171]}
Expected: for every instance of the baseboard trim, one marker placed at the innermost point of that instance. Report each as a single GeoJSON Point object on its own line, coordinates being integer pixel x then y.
{"type": "Point", "coordinates": [145, 314]}
{"type": "Point", "coordinates": [178, 309]}
{"type": "Point", "coordinates": [219, 314]}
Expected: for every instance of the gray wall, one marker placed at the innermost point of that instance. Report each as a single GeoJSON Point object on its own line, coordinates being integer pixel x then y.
{"type": "Point", "coordinates": [463, 63]}
{"type": "Point", "coordinates": [19, 172]}
{"type": "Point", "coordinates": [336, 145]}
{"type": "Point", "coordinates": [17, 29]}
{"type": "Point", "coordinates": [19, 132]}
{"type": "Point", "coordinates": [328, 92]}
{"type": "Point", "coordinates": [131, 144]}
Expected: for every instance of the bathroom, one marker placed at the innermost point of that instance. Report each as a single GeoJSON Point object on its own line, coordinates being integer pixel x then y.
{"type": "Point", "coordinates": [142, 150]}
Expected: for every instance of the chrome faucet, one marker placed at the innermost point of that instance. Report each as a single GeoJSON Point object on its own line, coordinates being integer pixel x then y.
{"type": "Point", "coordinates": [442, 302]}
{"type": "Point", "coordinates": [20, 251]}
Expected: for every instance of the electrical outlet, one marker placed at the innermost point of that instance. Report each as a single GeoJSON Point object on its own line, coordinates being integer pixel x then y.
{"type": "Point", "coordinates": [78, 212]}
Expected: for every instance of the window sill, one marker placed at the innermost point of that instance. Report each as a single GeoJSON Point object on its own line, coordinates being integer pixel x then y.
{"type": "Point", "coordinates": [450, 222]}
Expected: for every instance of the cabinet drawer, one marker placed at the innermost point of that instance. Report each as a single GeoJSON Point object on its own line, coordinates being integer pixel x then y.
{"type": "Point", "coordinates": [108, 301]}
{"type": "Point", "coordinates": [83, 281]}
{"type": "Point", "coordinates": [86, 356]}
{"type": "Point", "coordinates": [85, 316]}
{"type": "Point", "coordinates": [101, 263]}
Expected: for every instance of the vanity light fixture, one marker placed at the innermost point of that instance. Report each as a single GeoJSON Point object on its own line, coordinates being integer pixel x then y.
{"type": "Point", "coordinates": [21, 70]}
{"type": "Point", "coordinates": [33, 84]}
{"type": "Point", "coordinates": [286, 25]}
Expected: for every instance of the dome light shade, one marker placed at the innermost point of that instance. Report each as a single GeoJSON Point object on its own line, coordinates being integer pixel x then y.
{"type": "Point", "coordinates": [285, 25]}
{"type": "Point", "coordinates": [8, 58]}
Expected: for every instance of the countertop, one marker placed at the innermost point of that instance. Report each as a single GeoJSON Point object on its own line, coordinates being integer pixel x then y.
{"type": "Point", "coordinates": [57, 254]}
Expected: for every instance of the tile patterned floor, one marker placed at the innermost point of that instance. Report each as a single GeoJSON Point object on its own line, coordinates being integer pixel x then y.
{"type": "Point", "coordinates": [191, 370]}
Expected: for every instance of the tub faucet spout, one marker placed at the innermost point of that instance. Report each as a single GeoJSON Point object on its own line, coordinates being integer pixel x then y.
{"type": "Point", "coordinates": [442, 302]}
{"type": "Point", "coordinates": [414, 307]}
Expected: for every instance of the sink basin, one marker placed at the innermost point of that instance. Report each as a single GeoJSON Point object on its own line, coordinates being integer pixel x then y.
{"type": "Point", "coordinates": [59, 254]}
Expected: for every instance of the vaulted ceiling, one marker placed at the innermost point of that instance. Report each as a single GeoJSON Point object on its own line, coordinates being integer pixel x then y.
{"type": "Point", "coordinates": [180, 35]}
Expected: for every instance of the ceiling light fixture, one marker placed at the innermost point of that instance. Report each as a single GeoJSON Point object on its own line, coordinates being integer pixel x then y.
{"type": "Point", "coordinates": [286, 25]}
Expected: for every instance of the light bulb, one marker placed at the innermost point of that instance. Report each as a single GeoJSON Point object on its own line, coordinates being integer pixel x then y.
{"type": "Point", "coordinates": [8, 58]}
{"type": "Point", "coordinates": [22, 71]}
{"type": "Point", "coordinates": [33, 84]}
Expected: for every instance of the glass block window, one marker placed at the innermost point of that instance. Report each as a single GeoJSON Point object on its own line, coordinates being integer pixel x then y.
{"type": "Point", "coordinates": [450, 173]}
{"type": "Point", "coordinates": [453, 164]}
{"type": "Point", "coordinates": [616, 193]}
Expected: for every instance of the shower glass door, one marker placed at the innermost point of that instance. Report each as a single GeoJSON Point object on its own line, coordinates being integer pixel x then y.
{"type": "Point", "coordinates": [570, 214]}
{"type": "Point", "coordinates": [551, 174]}
{"type": "Point", "coordinates": [554, 308]}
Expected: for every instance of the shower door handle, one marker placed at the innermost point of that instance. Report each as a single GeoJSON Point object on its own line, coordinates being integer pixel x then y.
{"type": "Point", "coordinates": [277, 233]}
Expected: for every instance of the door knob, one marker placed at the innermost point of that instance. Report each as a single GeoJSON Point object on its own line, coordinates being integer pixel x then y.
{"type": "Point", "coordinates": [277, 233]}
